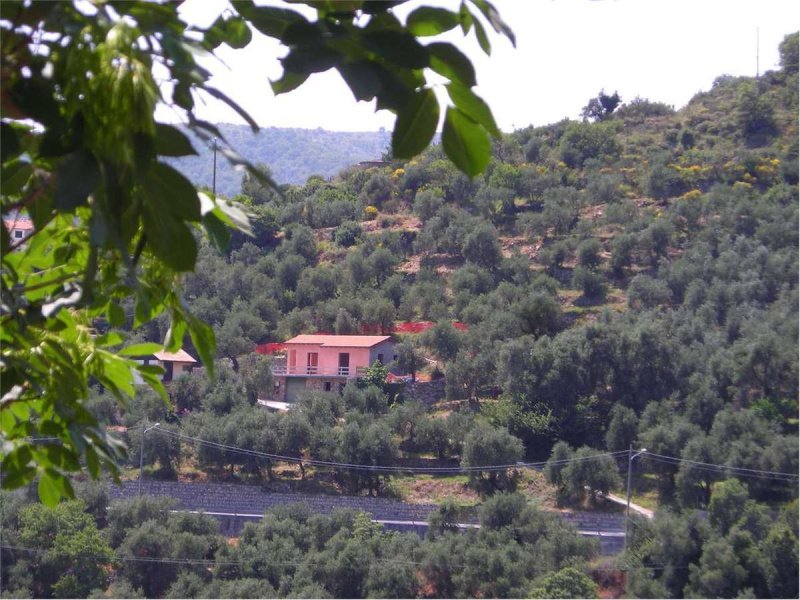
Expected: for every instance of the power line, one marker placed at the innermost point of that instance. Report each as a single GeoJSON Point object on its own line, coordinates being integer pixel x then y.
{"type": "Point", "coordinates": [711, 467]}
{"type": "Point", "coordinates": [377, 468]}
{"type": "Point", "coordinates": [739, 471]}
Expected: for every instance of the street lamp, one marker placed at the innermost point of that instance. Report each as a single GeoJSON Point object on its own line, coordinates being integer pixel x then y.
{"type": "Point", "coordinates": [141, 456]}
{"type": "Point", "coordinates": [631, 457]}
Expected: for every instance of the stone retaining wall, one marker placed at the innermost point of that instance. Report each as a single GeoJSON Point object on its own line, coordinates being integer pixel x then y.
{"type": "Point", "coordinates": [426, 392]}
{"type": "Point", "coordinates": [239, 503]}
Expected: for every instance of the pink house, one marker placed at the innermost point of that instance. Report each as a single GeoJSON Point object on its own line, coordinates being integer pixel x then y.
{"type": "Point", "coordinates": [326, 362]}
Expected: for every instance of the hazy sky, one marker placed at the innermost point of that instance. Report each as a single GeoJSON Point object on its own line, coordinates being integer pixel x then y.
{"type": "Point", "coordinates": [567, 50]}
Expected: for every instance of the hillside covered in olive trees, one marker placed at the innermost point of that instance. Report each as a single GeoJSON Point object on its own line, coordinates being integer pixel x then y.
{"type": "Point", "coordinates": [625, 280]}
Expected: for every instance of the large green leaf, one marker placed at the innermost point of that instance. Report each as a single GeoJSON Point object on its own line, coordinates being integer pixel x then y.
{"type": "Point", "coordinates": [216, 230]}
{"type": "Point", "coordinates": [203, 339]}
{"type": "Point", "coordinates": [465, 18]}
{"type": "Point", "coordinates": [171, 192]}
{"type": "Point", "coordinates": [399, 48]}
{"type": "Point", "coordinates": [416, 124]}
{"type": "Point", "coordinates": [53, 486]}
{"type": "Point", "coordinates": [397, 87]}
{"type": "Point", "coordinates": [373, 7]}
{"type": "Point", "coordinates": [15, 175]}
{"type": "Point", "coordinates": [269, 20]}
{"type": "Point", "coordinates": [449, 61]}
{"type": "Point", "coordinates": [465, 142]}
{"type": "Point", "coordinates": [16, 460]}
{"type": "Point", "coordinates": [58, 456]}
{"type": "Point", "coordinates": [288, 82]}
{"type": "Point", "coordinates": [144, 349]}
{"type": "Point", "coordinates": [170, 141]}
{"type": "Point", "coordinates": [500, 26]}
{"type": "Point", "coordinates": [314, 58]}
{"type": "Point", "coordinates": [473, 106]}
{"type": "Point", "coordinates": [169, 238]}
{"type": "Point", "coordinates": [9, 142]}
{"type": "Point", "coordinates": [483, 39]}
{"type": "Point", "coordinates": [429, 20]}
{"type": "Point", "coordinates": [361, 78]}
{"type": "Point", "coordinates": [115, 314]}
{"type": "Point", "coordinates": [237, 32]}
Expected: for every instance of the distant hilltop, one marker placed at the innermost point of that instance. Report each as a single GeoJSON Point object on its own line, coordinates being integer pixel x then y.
{"type": "Point", "coordinates": [293, 155]}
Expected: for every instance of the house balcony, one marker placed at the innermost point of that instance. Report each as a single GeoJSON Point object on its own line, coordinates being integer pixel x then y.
{"type": "Point", "coordinates": [309, 371]}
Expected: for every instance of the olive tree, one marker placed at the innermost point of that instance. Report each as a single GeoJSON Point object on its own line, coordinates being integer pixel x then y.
{"type": "Point", "coordinates": [486, 445]}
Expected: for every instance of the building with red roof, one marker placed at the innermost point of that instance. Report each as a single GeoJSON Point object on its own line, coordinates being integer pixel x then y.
{"type": "Point", "coordinates": [326, 362]}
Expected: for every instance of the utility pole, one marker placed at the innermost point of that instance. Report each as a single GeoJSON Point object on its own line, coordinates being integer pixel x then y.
{"type": "Point", "coordinates": [214, 176]}
{"type": "Point", "coordinates": [141, 455]}
{"type": "Point", "coordinates": [631, 457]}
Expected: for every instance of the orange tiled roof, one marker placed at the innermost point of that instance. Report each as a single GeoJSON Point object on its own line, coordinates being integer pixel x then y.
{"type": "Point", "coordinates": [340, 341]}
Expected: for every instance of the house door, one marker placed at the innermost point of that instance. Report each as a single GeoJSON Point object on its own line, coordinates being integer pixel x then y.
{"type": "Point", "coordinates": [312, 363]}
{"type": "Point", "coordinates": [344, 363]}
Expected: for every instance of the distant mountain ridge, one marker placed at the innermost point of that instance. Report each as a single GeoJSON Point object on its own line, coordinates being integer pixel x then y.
{"type": "Point", "coordinates": [292, 154]}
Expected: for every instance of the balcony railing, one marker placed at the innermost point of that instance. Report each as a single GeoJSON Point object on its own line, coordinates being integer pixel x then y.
{"type": "Point", "coordinates": [319, 371]}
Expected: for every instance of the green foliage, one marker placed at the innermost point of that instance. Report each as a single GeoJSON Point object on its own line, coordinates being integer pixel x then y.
{"type": "Point", "coordinates": [588, 253]}
{"type": "Point", "coordinates": [487, 445]}
{"type": "Point", "coordinates": [584, 141]}
{"type": "Point", "coordinates": [622, 428]}
{"type": "Point", "coordinates": [601, 107]}
{"type": "Point", "coordinates": [755, 114]}
{"type": "Point", "coordinates": [375, 375]}
{"type": "Point", "coordinates": [586, 472]}
{"type": "Point", "coordinates": [566, 583]}
{"type": "Point", "coordinates": [443, 339]}
{"type": "Point", "coordinates": [408, 359]}
{"type": "Point", "coordinates": [62, 536]}
{"type": "Point", "coordinates": [645, 292]}
{"type": "Point", "coordinates": [482, 248]}
{"type": "Point", "coordinates": [639, 109]}
{"type": "Point", "coordinates": [347, 234]}
{"type": "Point", "coordinates": [591, 283]}
{"type": "Point", "coordinates": [662, 180]}
{"type": "Point", "coordinates": [789, 53]}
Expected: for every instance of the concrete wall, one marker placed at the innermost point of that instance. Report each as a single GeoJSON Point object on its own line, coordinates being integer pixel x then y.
{"type": "Point", "coordinates": [386, 349]}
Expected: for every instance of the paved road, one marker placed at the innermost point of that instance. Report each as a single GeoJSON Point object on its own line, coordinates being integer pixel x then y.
{"type": "Point", "coordinates": [645, 512]}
